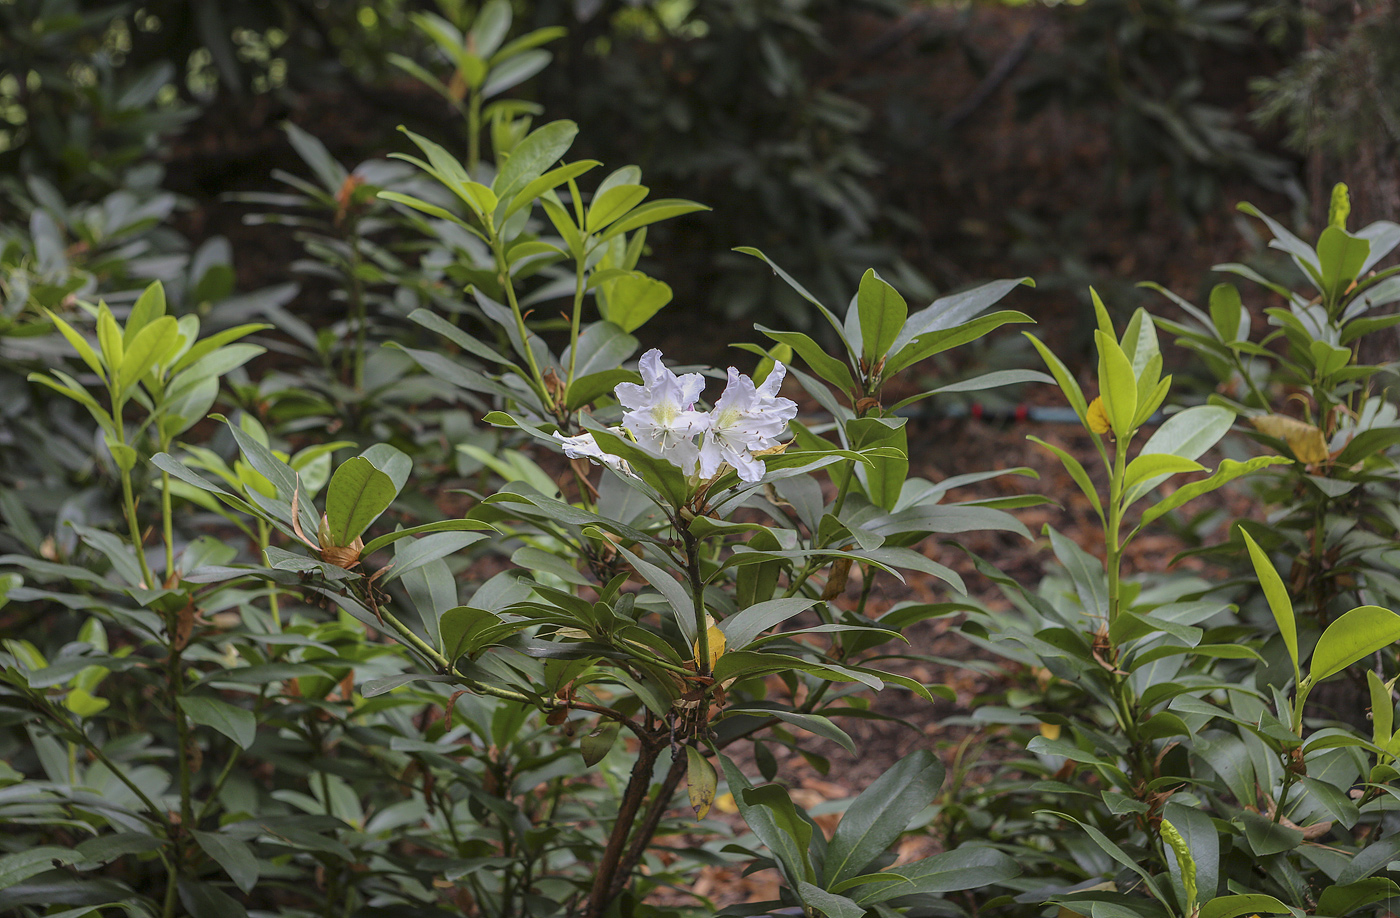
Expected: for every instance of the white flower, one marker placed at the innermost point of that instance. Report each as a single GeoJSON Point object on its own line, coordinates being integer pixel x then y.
{"type": "Point", "coordinates": [661, 412]}
{"type": "Point", "coordinates": [746, 419]}
{"type": "Point", "coordinates": [584, 446]}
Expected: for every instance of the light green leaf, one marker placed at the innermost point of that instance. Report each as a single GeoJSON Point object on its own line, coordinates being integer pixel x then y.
{"type": "Point", "coordinates": [1355, 635]}
{"type": "Point", "coordinates": [1277, 595]}
{"type": "Point", "coordinates": [612, 205]}
{"type": "Point", "coordinates": [653, 212]}
{"type": "Point", "coordinates": [1382, 710]}
{"type": "Point", "coordinates": [883, 313]}
{"type": "Point", "coordinates": [1340, 256]}
{"type": "Point", "coordinates": [357, 494]}
{"type": "Point", "coordinates": [633, 298]}
{"type": "Point", "coordinates": [155, 344]}
{"type": "Point", "coordinates": [1063, 378]}
{"type": "Point", "coordinates": [1226, 310]}
{"type": "Point", "coordinates": [149, 306]}
{"type": "Point", "coordinates": [1153, 465]}
{"type": "Point", "coordinates": [79, 344]}
{"type": "Point", "coordinates": [1117, 385]}
{"type": "Point", "coordinates": [1227, 471]}
{"type": "Point", "coordinates": [533, 155]}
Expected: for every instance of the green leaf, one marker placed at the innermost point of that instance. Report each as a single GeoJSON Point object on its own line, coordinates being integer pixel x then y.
{"type": "Point", "coordinates": [936, 342]}
{"type": "Point", "coordinates": [883, 478]}
{"type": "Point", "coordinates": [881, 813]}
{"type": "Point", "coordinates": [661, 474]}
{"type": "Point", "coordinates": [530, 40]}
{"type": "Point", "coordinates": [79, 344]}
{"type": "Point", "coordinates": [1063, 378]}
{"type": "Point", "coordinates": [1277, 595]}
{"type": "Point", "coordinates": [357, 494]}
{"type": "Point", "coordinates": [440, 526]}
{"type": "Point", "coordinates": [774, 800]}
{"type": "Point", "coordinates": [466, 631]}
{"type": "Point", "coordinates": [149, 306]}
{"type": "Point", "coordinates": [109, 339]}
{"type": "Point", "coordinates": [233, 855]}
{"type": "Point", "coordinates": [612, 204]}
{"type": "Point", "coordinates": [410, 556]}
{"type": "Point", "coordinates": [1357, 634]}
{"type": "Point", "coordinates": [1203, 839]}
{"type": "Point", "coordinates": [967, 867]}
{"type": "Point", "coordinates": [490, 26]}
{"type": "Point", "coordinates": [1227, 471]}
{"type": "Point", "coordinates": [1191, 432]}
{"type": "Point", "coordinates": [208, 901]}
{"type": "Point", "coordinates": [883, 313]}
{"type": "Point", "coordinates": [1234, 906]}
{"type": "Point", "coordinates": [1226, 309]}
{"type": "Point", "coordinates": [633, 298]}
{"type": "Point", "coordinates": [741, 628]}
{"type": "Point", "coordinates": [1382, 710]}
{"type": "Point", "coordinates": [1109, 847]}
{"type": "Point", "coordinates": [823, 364]}
{"type": "Point", "coordinates": [1340, 256]}
{"type": "Point", "coordinates": [1154, 465]}
{"type": "Point", "coordinates": [532, 156]}
{"type": "Point", "coordinates": [154, 344]}
{"type": "Point", "coordinates": [829, 904]}
{"type": "Point", "coordinates": [1342, 900]}
{"type": "Point", "coordinates": [1076, 472]}
{"type": "Point", "coordinates": [653, 212]}
{"type": "Point", "coordinates": [21, 865]}
{"type": "Point", "coordinates": [593, 746]}
{"type": "Point", "coordinates": [813, 723]}
{"type": "Point", "coordinates": [548, 182]}
{"type": "Point", "coordinates": [771, 827]}
{"type": "Point", "coordinates": [1374, 857]}
{"type": "Point", "coordinates": [84, 704]}
{"type": "Point", "coordinates": [238, 724]}
{"type": "Point", "coordinates": [585, 390]}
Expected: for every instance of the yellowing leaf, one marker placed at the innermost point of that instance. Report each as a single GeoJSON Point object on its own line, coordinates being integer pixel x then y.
{"type": "Point", "coordinates": [1306, 441]}
{"type": "Point", "coordinates": [725, 804]}
{"type": "Point", "coordinates": [716, 641]}
{"type": "Point", "coordinates": [1098, 417]}
{"type": "Point", "coordinates": [700, 779]}
{"type": "Point", "coordinates": [1050, 731]}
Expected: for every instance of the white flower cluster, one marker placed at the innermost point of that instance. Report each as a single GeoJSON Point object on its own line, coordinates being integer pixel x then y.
{"type": "Point", "coordinates": [661, 417]}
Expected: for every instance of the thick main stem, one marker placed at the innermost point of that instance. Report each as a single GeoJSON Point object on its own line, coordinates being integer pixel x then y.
{"type": "Point", "coordinates": [646, 831]}
{"type": "Point", "coordinates": [632, 799]}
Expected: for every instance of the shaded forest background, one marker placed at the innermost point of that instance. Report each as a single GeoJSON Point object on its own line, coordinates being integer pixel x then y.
{"type": "Point", "coordinates": [1102, 142]}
